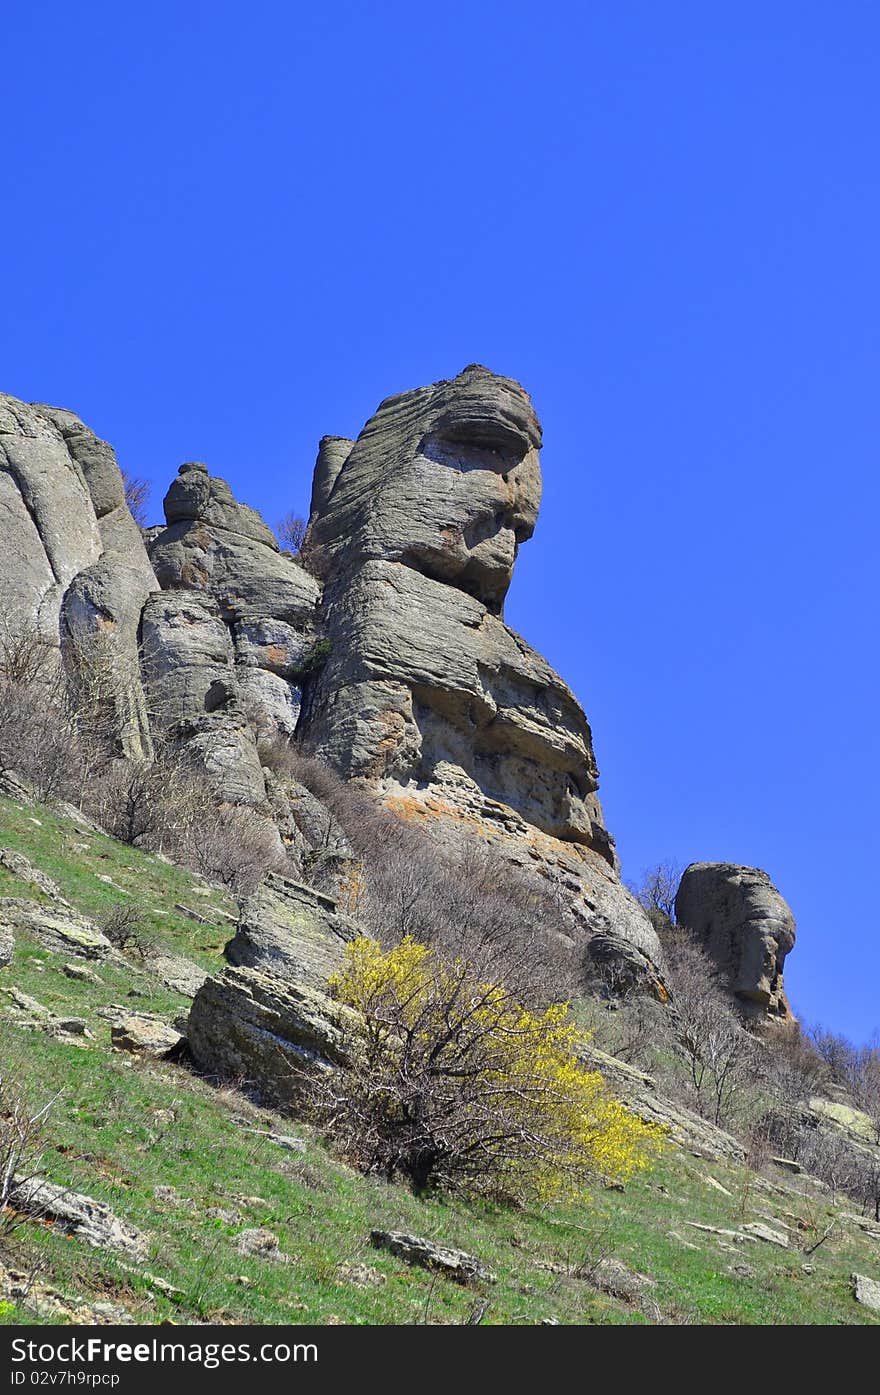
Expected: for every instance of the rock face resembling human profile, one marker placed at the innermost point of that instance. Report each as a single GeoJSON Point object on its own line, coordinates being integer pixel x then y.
{"type": "Point", "coordinates": [426, 694]}
{"type": "Point", "coordinates": [747, 927]}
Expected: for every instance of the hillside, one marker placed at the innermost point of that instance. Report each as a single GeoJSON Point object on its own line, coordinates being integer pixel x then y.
{"type": "Point", "coordinates": [192, 1166]}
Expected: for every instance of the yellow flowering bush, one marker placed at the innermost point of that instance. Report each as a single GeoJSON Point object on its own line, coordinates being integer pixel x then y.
{"type": "Point", "coordinates": [457, 1084]}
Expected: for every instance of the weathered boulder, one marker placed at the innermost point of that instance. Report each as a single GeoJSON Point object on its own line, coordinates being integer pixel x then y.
{"type": "Point", "coordinates": [189, 668]}
{"type": "Point", "coordinates": [268, 1034]}
{"type": "Point", "coordinates": [425, 694]}
{"type": "Point", "coordinates": [866, 1291]}
{"type": "Point", "coordinates": [21, 867]}
{"type": "Point", "coordinates": [30, 1295]}
{"type": "Point", "coordinates": [259, 1243]}
{"type": "Point", "coordinates": [142, 1034]}
{"type": "Point", "coordinates": [7, 946]}
{"type": "Point", "coordinates": [175, 971]}
{"type": "Point", "coordinates": [746, 926]}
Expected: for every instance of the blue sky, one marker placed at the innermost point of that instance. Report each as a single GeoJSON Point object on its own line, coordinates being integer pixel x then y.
{"type": "Point", "coordinates": [230, 229]}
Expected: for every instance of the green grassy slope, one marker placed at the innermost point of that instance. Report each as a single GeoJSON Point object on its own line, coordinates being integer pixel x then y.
{"type": "Point", "coordinates": [123, 1127]}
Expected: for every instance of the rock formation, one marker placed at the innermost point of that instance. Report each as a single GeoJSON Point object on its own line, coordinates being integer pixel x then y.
{"type": "Point", "coordinates": [746, 926]}
{"type": "Point", "coordinates": [426, 694]}
{"type": "Point", "coordinates": [75, 567]}
{"type": "Point", "coordinates": [388, 656]}
{"type": "Point", "coordinates": [225, 641]}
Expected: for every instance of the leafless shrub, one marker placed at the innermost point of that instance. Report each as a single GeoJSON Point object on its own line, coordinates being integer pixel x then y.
{"type": "Point", "coordinates": [795, 1069]}
{"type": "Point", "coordinates": [856, 1069]}
{"type": "Point", "coordinates": [125, 929]}
{"type": "Point", "coordinates": [39, 734]}
{"type": "Point", "coordinates": [632, 1028]}
{"type": "Point", "coordinates": [149, 804]}
{"type": "Point", "coordinates": [723, 1060]}
{"type": "Point", "coordinates": [656, 893]}
{"type": "Point", "coordinates": [236, 847]}
{"type": "Point", "coordinates": [22, 1139]}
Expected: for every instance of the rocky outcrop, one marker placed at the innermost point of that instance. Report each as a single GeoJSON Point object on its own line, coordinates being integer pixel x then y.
{"type": "Point", "coordinates": [76, 568]}
{"type": "Point", "coordinates": [267, 1020]}
{"type": "Point", "coordinates": [457, 1265]}
{"type": "Point", "coordinates": [746, 926]}
{"type": "Point", "coordinates": [227, 559]}
{"type": "Point", "coordinates": [640, 1094]}
{"type": "Point", "coordinates": [426, 694]}
{"type": "Point", "coordinates": [144, 1034]}
{"type": "Point", "coordinates": [19, 866]}
{"type": "Point", "coordinates": [389, 655]}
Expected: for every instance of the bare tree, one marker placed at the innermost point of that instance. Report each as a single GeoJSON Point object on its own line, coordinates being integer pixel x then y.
{"type": "Point", "coordinates": [236, 847]}
{"type": "Point", "coordinates": [656, 893]}
{"type": "Point", "coordinates": [291, 531]}
{"type": "Point", "coordinates": [22, 1133]}
{"type": "Point", "coordinates": [721, 1057]}
{"type": "Point", "coordinates": [137, 495]}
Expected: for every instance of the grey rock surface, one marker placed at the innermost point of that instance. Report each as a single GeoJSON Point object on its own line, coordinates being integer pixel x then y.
{"type": "Point", "coordinates": [292, 932]}
{"type": "Point", "coordinates": [189, 668]}
{"type": "Point", "coordinates": [76, 1214]}
{"type": "Point", "coordinates": [223, 552]}
{"type": "Point", "coordinates": [866, 1291]}
{"type": "Point", "coordinates": [76, 566]}
{"type": "Point", "coordinates": [62, 931]}
{"type": "Point", "coordinates": [24, 869]}
{"type": "Point", "coordinates": [268, 1034]}
{"type": "Point", "coordinates": [144, 1034]}
{"type": "Point", "coordinates": [743, 922]}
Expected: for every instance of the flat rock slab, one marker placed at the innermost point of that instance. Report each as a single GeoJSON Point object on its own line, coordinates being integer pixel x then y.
{"type": "Point", "coordinates": [176, 972]}
{"type": "Point", "coordinates": [260, 1244]}
{"type": "Point", "coordinates": [614, 1277]}
{"type": "Point", "coordinates": [75, 1214]}
{"type": "Point", "coordinates": [38, 1299]}
{"type": "Point", "coordinates": [718, 1187]}
{"type": "Point", "coordinates": [759, 1231]}
{"type": "Point", "coordinates": [414, 1249]}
